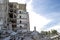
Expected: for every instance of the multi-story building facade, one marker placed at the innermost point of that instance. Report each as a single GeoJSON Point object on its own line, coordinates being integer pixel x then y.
{"type": "Point", "coordinates": [23, 20]}
{"type": "Point", "coordinates": [18, 16]}
{"type": "Point", "coordinates": [12, 7]}
{"type": "Point", "coordinates": [3, 13]}
{"type": "Point", "coordinates": [15, 14]}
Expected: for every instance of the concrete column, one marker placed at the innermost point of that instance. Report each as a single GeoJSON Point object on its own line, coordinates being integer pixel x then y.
{"type": "Point", "coordinates": [34, 28]}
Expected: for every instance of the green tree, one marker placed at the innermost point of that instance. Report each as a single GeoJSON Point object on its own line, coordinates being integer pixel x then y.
{"type": "Point", "coordinates": [54, 32]}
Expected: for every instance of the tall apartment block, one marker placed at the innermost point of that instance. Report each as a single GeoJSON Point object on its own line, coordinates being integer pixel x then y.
{"type": "Point", "coordinates": [14, 22]}
{"type": "Point", "coordinates": [12, 12]}
{"type": "Point", "coordinates": [13, 15]}
{"type": "Point", "coordinates": [18, 16]}
{"type": "Point", "coordinates": [3, 13]}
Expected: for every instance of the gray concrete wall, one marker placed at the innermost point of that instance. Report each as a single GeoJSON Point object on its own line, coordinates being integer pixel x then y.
{"type": "Point", "coordinates": [3, 11]}
{"type": "Point", "coordinates": [24, 20]}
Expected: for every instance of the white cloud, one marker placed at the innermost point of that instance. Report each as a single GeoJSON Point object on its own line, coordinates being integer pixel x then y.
{"type": "Point", "coordinates": [35, 19]}
{"type": "Point", "coordinates": [38, 21]}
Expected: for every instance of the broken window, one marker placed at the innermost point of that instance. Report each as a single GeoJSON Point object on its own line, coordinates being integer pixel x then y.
{"type": "Point", "coordinates": [20, 12]}
{"type": "Point", "coordinates": [20, 16]}
{"type": "Point", "coordinates": [20, 21]}
{"type": "Point", "coordinates": [20, 27]}
{"type": "Point", "coordinates": [10, 15]}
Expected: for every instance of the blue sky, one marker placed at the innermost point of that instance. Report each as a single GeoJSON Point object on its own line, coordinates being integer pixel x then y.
{"type": "Point", "coordinates": [49, 9]}
{"type": "Point", "coordinates": [44, 14]}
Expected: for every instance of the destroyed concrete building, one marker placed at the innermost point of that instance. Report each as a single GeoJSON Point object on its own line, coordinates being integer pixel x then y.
{"type": "Point", "coordinates": [18, 16]}
{"type": "Point", "coordinates": [13, 12]}
{"type": "Point", "coordinates": [14, 22]}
